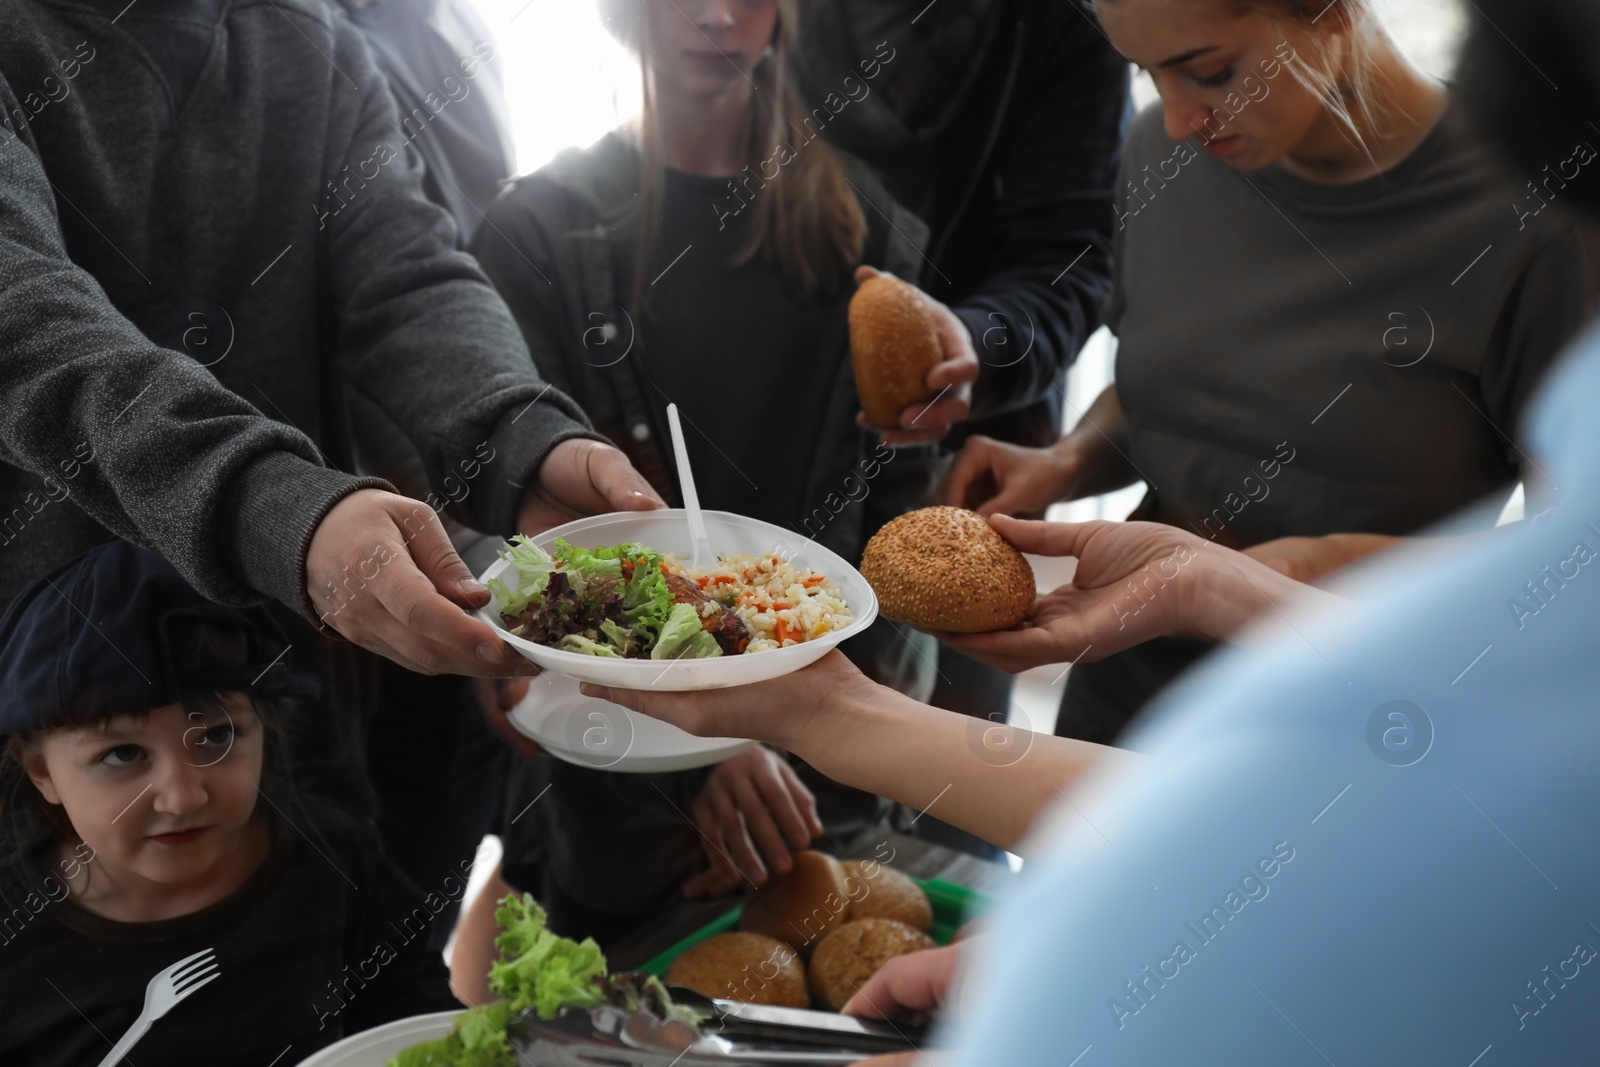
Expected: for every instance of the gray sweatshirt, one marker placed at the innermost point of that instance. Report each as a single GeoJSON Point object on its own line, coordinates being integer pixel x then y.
{"type": "Point", "coordinates": [268, 232]}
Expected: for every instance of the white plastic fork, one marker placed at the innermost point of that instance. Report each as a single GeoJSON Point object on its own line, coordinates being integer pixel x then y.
{"type": "Point", "coordinates": [699, 543]}
{"type": "Point", "coordinates": [164, 993]}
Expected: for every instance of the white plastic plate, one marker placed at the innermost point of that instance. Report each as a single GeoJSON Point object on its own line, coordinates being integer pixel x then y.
{"type": "Point", "coordinates": [667, 531]}
{"type": "Point", "coordinates": [371, 1048]}
{"type": "Point", "coordinates": [607, 737]}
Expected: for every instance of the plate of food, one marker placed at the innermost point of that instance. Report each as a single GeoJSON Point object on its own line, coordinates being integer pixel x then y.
{"type": "Point", "coordinates": [611, 599]}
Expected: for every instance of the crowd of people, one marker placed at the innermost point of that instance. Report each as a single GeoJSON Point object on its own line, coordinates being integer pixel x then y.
{"type": "Point", "coordinates": [288, 352]}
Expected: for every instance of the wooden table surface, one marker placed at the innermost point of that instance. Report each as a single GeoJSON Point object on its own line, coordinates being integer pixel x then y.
{"type": "Point", "coordinates": [909, 855]}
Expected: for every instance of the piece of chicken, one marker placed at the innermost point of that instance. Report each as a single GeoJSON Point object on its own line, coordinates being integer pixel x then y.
{"type": "Point", "coordinates": [725, 626]}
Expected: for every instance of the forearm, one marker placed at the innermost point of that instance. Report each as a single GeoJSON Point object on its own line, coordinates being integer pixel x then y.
{"type": "Point", "coordinates": [1228, 590]}
{"type": "Point", "coordinates": [1099, 446]}
{"type": "Point", "coordinates": [426, 337]}
{"type": "Point", "coordinates": [990, 780]}
{"type": "Point", "coordinates": [146, 441]}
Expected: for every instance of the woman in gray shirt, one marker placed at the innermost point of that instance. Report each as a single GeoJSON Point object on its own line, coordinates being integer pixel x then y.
{"type": "Point", "coordinates": [1330, 304]}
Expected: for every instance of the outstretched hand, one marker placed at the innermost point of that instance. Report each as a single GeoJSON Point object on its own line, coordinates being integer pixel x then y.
{"type": "Point", "coordinates": [381, 571]}
{"type": "Point", "coordinates": [1133, 583]}
{"type": "Point", "coordinates": [775, 711]}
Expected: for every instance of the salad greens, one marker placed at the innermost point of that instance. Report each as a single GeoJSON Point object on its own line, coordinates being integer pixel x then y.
{"type": "Point", "coordinates": [607, 601]}
{"type": "Point", "coordinates": [544, 972]}
{"type": "Point", "coordinates": [683, 637]}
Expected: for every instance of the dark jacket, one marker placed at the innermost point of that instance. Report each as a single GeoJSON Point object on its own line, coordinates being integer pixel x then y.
{"type": "Point", "coordinates": [999, 123]}
{"type": "Point", "coordinates": [562, 228]}
{"type": "Point", "coordinates": [272, 237]}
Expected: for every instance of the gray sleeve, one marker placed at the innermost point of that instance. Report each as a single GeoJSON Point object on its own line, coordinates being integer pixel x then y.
{"type": "Point", "coordinates": [175, 453]}
{"type": "Point", "coordinates": [423, 334]}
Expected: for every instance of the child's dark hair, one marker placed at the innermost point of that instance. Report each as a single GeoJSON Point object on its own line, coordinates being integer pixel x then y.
{"type": "Point", "coordinates": [30, 823]}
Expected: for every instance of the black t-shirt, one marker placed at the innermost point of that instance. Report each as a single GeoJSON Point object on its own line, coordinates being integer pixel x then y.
{"type": "Point", "coordinates": [749, 364]}
{"type": "Point", "coordinates": [326, 939]}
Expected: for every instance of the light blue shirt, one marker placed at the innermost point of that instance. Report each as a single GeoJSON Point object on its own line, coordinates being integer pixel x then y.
{"type": "Point", "coordinates": [1376, 841]}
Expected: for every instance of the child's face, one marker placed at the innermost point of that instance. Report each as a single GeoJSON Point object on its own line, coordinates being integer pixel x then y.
{"type": "Point", "coordinates": [163, 798]}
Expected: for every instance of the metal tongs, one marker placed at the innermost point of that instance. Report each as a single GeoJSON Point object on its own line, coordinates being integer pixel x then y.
{"type": "Point", "coordinates": [735, 1035]}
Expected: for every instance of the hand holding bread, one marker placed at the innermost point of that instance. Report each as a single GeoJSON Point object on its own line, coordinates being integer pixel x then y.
{"type": "Point", "coordinates": [913, 358]}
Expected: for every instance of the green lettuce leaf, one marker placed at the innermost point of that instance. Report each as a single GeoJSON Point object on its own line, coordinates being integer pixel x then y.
{"type": "Point", "coordinates": [590, 561]}
{"type": "Point", "coordinates": [683, 637]}
{"type": "Point", "coordinates": [539, 970]}
{"type": "Point", "coordinates": [647, 602]}
{"type": "Point", "coordinates": [478, 1040]}
{"type": "Point", "coordinates": [580, 643]}
{"type": "Point", "coordinates": [531, 565]}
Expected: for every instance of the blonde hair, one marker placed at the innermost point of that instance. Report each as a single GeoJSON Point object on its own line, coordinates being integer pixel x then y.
{"type": "Point", "coordinates": [1349, 93]}
{"type": "Point", "coordinates": [806, 218]}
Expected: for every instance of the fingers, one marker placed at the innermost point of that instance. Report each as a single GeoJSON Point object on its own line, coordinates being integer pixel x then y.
{"type": "Point", "coordinates": [781, 793]}
{"type": "Point", "coordinates": [939, 414]}
{"type": "Point", "coordinates": [973, 464]}
{"type": "Point", "coordinates": [736, 841]}
{"type": "Point", "coordinates": [410, 616]}
{"type": "Point", "coordinates": [911, 983]}
{"type": "Point", "coordinates": [673, 708]}
{"type": "Point", "coordinates": [707, 818]}
{"type": "Point", "coordinates": [436, 558]}
{"type": "Point", "coordinates": [955, 371]}
{"type": "Point", "coordinates": [804, 800]}
{"type": "Point", "coordinates": [863, 273]}
{"type": "Point", "coordinates": [1046, 538]}
{"type": "Point", "coordinates": [622, 486]}
{"type": "Point", "coordinates": [1013, 651]}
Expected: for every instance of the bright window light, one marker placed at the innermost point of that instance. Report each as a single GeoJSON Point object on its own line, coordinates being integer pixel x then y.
{"type": "Point", "coordinates": [568, 81]}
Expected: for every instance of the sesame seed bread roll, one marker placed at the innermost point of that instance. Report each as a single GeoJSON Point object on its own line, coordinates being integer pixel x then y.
{"type": "Point", "coordinates": [854, 952]}
{"type": "Point", "coordinates": [884, 893]}
{"type": "Point", "coordinates": [894, 343]}
{"type": "Point", "coordinates": [944, 568]}
{"type": "Point", "coordinates": [741, 966]}
{"type": "Point", "coordinates": [800, 907]}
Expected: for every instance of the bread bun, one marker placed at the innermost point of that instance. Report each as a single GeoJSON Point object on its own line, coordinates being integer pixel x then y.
{"type": "Point", "coordinates": [894, 343]}
{"type": "Point", "coordinates": [740, 966]}
{"type": "Point", "coordinates": [945, 568]}
{"type": "Point", "coordinates": [854, 952]}
{"type": "Point", "coordinates": [885, 893]}
{"type": "Point", "coordinates": [800, 907]}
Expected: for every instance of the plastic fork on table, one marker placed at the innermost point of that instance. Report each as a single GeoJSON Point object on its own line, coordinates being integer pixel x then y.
{"type": "Point", "coordinates": [165, 991]}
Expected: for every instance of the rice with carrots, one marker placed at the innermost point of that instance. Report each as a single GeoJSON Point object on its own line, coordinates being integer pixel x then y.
{"type": "Point", "coordinates": [781, 604]}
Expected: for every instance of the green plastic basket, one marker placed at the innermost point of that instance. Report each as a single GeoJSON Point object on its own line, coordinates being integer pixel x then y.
{"type": "Point", "coordinates": [952, 905]}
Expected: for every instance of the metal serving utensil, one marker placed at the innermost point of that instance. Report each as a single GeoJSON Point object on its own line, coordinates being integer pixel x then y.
{"type": "Point", "coordinates": [607, 1036]}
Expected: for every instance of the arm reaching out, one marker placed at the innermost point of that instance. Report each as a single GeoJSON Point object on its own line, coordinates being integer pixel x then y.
{"type": "Point", "coordinates": [991, 780]}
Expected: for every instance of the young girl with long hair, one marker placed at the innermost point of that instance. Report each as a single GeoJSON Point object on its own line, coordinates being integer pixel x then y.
{"type": "Point", "coordinates": [704, 255]}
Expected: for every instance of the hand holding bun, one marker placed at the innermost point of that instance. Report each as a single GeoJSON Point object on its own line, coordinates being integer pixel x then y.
{"type": "Point", "coordinates": [894, 343]}
{"type": "Point", "coordinates": [854, 952]}
{"type": "Point", "coordinates": [945, 568]}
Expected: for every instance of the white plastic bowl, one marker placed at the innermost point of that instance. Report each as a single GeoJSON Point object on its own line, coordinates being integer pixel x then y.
{"type": "Point", "coordinates": [373, 1048]}
{"type": "Point", "coordinates": [608, 737]}
{"type": "Point", "coordinates": [667, 531]}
